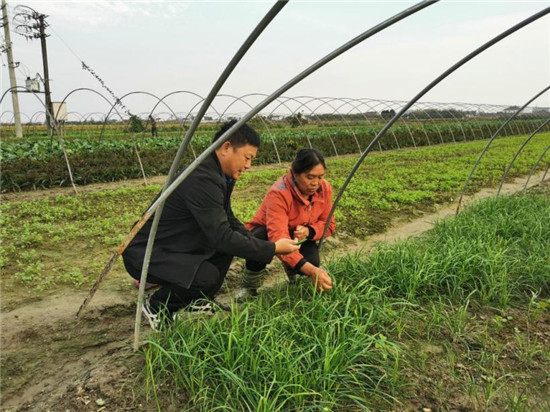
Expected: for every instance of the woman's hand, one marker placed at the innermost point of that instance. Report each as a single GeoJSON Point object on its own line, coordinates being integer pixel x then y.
{"type": "Point", "coordinates": [318, 276]}
{"type": "Point", "coordinates": [322, 280]}
{"type": "Point", "coordinates": [301, 232]}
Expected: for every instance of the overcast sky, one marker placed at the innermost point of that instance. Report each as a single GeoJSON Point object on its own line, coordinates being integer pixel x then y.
{"type": "Point", "coordinates": [165, 46]}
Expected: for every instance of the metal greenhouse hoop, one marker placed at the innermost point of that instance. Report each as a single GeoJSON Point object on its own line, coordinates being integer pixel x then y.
{"type": "Point", "coordinates": [55, 127]}
{"type": "Point", "coordinates": [445, 74]}
{"type": "Point", "coordinates": [268, 130]}
{"type": "Point", "coordinates": [171, 187]}
{"type": "Point", "coordinates": [518, 153]}
{"type": "Point", "coordinates": [491, 141]}
{"type": "Point", "coordinates": [534, 168]}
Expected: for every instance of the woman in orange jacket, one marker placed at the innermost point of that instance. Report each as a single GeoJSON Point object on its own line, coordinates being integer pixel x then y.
{"type": "Point", "coordinates": [296, 206]}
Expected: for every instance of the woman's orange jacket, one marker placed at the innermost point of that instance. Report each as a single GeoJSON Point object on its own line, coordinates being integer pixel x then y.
{"type": "Point", "coordinates": [284, 208]}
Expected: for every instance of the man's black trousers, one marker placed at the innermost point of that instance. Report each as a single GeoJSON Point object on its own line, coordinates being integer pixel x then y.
{"type": "Point", "coordinates": [208, 280]}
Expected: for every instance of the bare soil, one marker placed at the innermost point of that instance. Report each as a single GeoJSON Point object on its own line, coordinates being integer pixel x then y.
{"type": "Point", "coordinates": [51, 362]}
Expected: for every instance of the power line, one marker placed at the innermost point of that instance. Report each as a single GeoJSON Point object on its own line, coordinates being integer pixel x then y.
{"type": "Point", "coordinates": [94, 74]}
{"type": "Point", "coordinates": [66, 44]}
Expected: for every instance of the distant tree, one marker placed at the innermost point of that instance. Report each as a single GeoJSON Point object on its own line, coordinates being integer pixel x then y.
{"type": "Point", "coordinates": [136, 125]}
{"type": "Point", "coordinates": [388, 114]}
{"type": "Point", "coordinates": [296, 120]}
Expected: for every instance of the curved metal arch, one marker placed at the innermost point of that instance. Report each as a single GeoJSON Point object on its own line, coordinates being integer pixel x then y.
{"type": "Point", "coordinates": [354, 104]}
{"type": "Point", "coordinates": [79, 120]}
{"type": "Point", "coordinates": [529, 118]}
{"type": "Point", "coordinates": [261, 118]}
{"type": "Point", "coordinates": [77, 114]}
{"type": "Point", "coordinates": [275, 9]}
{"type": "Point", "coordinates": [80, 89]}
{"type": "Point", "coordinates": [284, 103]}
{"type": "Point", "coordinates": [351, 102]}
{"type": "Point", "coordinates": [398, 103]}
{"type": "Point", "coordinates": [290, 111]}
{"type": "Point", "coordinates": [545, 173]}
{"type": "Point", "coordinates": [534, 168]}
{"type": "Point", "coordinates": [444, 123]}
{"type": "Point", "coordinates": [85, 119]}
{"type": "Point", "coordinates": [500, 109]}
{"type": "Point", "coordinates": [31, 120]}
{"type": "Point", "coordinates": [236, 99]}
{"type": "Point", "coordinates": [120, 101]}
{"type": "Point", "coordinates": [55, 128]}
{"type": "Point", "coordinates": [491, 141]}
{"type": "Point", "coordinates": [169, 114]}
{"type": "Point", "coordinates": [493, 112]}
{"type": "Point", "coordinates": [149, 114]}
{"type": "Point", "coordinates": [106, 118]}
{"type": "Point", "coordinates": [418, 122]}
{"type": "Point", "coordinates": [190, 113]}
{"type": "Point", "coordinates": [201, 99]}
{"type": "Point", "coordinates": [328, 101]}
{"type": "Point", "coordinates": [5, 112]}
{"type": "Point", "coordinates": [477, 123]}
{"type": "Point", "coordinates": [439, 106]}
{"type": "Point", "coordinates": [432, 84]}
{"type": "Point", "coordinates": [518, 153]}
{"type": "Point", "coordinates": [13, 116]}
{"type": "Point", "coordinates": [311, 113]}
{"type": "Point", "coordinates": [90, 114]}
{"type": "Point", "coordinates": [431, 119]}
{"type": "Point", "coordinates": [517, 124]}
{"type": "Point", "coordinates": [363, 103]}
{"type": "Point", "coordinates": [386, 104]}
{"type": "Point", "coordinates": [369, 121]}
{"type": "Point", "coordinates": [498, 114]}
{"type": "Point", "coordinates": [524, 123]}
{"type": "Point", "coordinates": [159, 202]}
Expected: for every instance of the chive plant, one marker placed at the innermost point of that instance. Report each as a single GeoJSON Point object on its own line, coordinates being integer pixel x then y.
{"type": "Point", "coordinates": [295, 349]}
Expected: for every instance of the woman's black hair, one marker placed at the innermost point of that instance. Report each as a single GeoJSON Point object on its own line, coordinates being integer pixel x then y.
{"type": "Point", "coordinates": [307, 159]}
{"type": "Point", "coordinates": [243, 136]}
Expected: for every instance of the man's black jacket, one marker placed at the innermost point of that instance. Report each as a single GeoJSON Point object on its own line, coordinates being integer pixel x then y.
{"type": "Point", "coordinates": [197, 222]}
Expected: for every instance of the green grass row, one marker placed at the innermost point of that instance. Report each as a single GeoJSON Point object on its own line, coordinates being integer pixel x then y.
{"type": "Point", "coordinates": [425, 323]}
{"type": "Point", "coordinates": [66, 240]}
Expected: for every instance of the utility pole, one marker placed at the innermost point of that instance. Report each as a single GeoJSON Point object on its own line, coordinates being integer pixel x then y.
{"type": "Point", "coordinates": [49, 106]}
{"type": "Point", "coordinates": [32, 25]}
{"type": "Point", "coordinates": [11, 69]}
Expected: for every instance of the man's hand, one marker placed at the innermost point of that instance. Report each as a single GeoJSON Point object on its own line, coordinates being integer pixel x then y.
{"type": "Point", "coordinates": [318, 276]}
{"type": "Point", "coordinates": [286, 246]}
{"type": "Point", "coordinates": [301, 232]}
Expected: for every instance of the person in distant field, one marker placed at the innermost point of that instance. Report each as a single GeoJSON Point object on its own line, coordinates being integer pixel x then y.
{"type": "Point", "coordinates": [297, 205]}
{"type": "Point", "coordinates": [198, 234]}
{"type": "Point", "coordinates": [153, 126]}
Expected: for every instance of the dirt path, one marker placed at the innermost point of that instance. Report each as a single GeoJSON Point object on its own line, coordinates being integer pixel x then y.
{"type": "Point", "coordinates": [98, 187]}
{"type": "Point", "coordinates": [51, 362]}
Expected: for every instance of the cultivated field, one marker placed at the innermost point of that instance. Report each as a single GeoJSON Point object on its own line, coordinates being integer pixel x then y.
{"type": "Point", "coordinates": [456, 319]}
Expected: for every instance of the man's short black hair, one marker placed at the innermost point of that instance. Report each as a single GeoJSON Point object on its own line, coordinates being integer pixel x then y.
{"type": "Point", "coordinates": [243, 136]}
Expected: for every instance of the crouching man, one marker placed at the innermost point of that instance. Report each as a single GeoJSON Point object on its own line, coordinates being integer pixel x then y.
{"type": "Point", "coordinates": [198, 235]}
